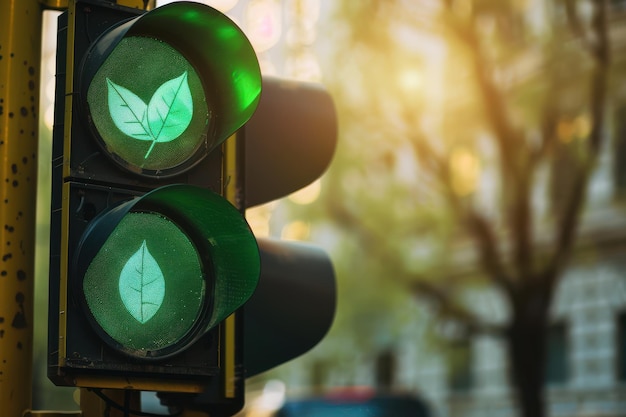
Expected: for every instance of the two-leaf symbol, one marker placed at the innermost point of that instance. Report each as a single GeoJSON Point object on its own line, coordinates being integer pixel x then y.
{"type": "Point", "coordinates": [163, 119]}
{"type": "Point", "coordinates": [142, 285]}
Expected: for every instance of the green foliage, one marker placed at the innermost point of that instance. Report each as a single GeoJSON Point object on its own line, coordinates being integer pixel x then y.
{"type": "Point", "coordinates": [454, 118]}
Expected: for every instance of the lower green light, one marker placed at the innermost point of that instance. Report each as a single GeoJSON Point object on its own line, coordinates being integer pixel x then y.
{"type": "Point", "coordinates": [145, 288]}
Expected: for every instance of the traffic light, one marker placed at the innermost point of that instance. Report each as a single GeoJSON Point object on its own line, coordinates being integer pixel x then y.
{"type": "Point", "coordinates": [150, 254]}
{"type": "Point", "coordinates": [289, 142]}
{"type": "Point", "coordinates": [294, 304]}
{"type": "Point", "coordinates": [157, 152]}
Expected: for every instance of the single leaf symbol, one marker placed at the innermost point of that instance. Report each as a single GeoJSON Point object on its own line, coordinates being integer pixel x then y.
{"type": "Point", "coordinates": [128, 111]}
{"type": "Point", "coordinates": [142, 285]}
{"type": "Point", "coordinates": [170, 110]}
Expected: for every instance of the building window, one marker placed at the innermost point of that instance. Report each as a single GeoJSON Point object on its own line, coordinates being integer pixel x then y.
{"type": "Point", "coordinates": [385, 369]}
{"type": "Point", "coordinates": [460, 367]}
{"type": "Point", "coordinates": [319, 374]}
{"type": "Point", "coordinates": [621, 346]}
{"type": "Point", "coordinates": [561, 181]}
{"type": "Point", "coordinates": [619, 163]}
{"type": "Point", "coordinates": [556, 354]}
{"type": "Point", "coordinates": [618, 4]}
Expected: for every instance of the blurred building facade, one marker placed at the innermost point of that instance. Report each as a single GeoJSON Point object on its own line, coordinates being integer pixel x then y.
{"type": "Point", "coordinates": [586, 363]}
{"type": "Point", "coordinates": [586, 370]}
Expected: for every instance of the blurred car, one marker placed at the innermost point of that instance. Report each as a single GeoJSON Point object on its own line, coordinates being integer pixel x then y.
{"type": "Point", "coordinates": [358, 403]}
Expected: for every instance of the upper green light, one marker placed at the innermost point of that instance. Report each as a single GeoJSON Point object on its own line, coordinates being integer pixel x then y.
{"type": "Point", "coordinates": [163, 119]}
{"type": "Point", "coordinates": [149, 106]}
{"type": "Point", "coordinates": [221, 53]}
{"type": "Point", "coordinates": [166, 88]}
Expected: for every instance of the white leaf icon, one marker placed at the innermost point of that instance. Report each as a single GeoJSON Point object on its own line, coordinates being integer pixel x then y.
{"type": "Point", "coordinates": [142, 285]}
{"type": "Point", "coordinates": [170, 109]}
{"type": "Point", "coordinates": [163, 119]}
{"type": "Point", "coordinates": [129, 112]}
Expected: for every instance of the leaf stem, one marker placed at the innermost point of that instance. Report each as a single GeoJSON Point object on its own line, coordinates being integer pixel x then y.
{"type": "Point", "coordinates": [150, 150]}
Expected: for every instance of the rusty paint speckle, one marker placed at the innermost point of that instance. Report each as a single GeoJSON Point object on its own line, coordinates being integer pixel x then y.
{"type": "Point", "coordinates": [19, 321]}
{"type": "Point", "coordinates": [21, 275]}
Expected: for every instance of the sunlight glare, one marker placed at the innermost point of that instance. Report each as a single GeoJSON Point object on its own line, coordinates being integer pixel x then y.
{"type": "Point", "coordinates": [259, 219]}
{"type": "Point", "coordinates": [308, 194]}
{"type": "Point", "coordinates": [466, 169]}
{"type": "Point", "coordinates": [297, 230]}
{"type": "Point", "coordinates": [411, 80]}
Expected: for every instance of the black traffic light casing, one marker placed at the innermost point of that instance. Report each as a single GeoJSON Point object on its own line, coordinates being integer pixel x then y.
{"type": "Point", "coordinates": [289, 142]}
{"type": "Point", "coordinates": [99, 192]}
{"type": "Point", "coordinates": [114, 171]}
{"type": "Point", "coordinates": [290, 139]}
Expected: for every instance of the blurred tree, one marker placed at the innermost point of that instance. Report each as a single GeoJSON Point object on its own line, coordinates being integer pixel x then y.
{"type": "Point", "coordinates": [458, 118]}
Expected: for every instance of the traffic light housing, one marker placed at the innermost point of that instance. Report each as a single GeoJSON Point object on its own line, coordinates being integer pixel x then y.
{"type": "Point", "coordinates": [151, 258]}
{"type": "Point", "coordinates": [150, 254]}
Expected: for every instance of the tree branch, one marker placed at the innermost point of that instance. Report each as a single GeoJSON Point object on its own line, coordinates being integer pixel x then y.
{"type": "Point", "coordinates": [575, 25]}
{"type": "Point", "coordinates": [478, 227]}
{"type": "Point", "coordinates": [419, 285]}
{"type": "Point", "coordinates": [447, 308]}
{"type": "Point", "coordinates": [505, 133]}
{"type": "Point", "coordinates": [568, 226]}
{"type": "Point", "coordinates": [490, 258]}
{"type": "Point", "coordinates": [516, 159]}
{"type": "Point", "coordinates": [548, 131]}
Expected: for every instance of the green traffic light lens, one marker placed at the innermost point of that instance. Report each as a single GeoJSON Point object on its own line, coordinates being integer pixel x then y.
{"type": "Point", "coordinates": [146, 288]}
{"type": "Point", "coordinates": [149, 108]}
{"type": "Point", "coordinates": [156, 273]}
{"type": "Point", "coordinates": [164, 89]}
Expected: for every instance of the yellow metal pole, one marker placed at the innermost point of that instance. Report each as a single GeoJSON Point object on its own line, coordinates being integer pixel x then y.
{"type": "Point", "coordinates": [232, 191]}
{"type": "Point", "coordinates": [20, 56]}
